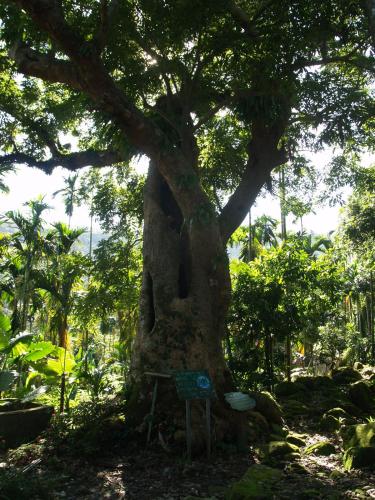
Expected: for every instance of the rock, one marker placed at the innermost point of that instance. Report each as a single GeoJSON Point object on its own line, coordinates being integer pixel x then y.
{"type": "Point", "coordinates": [336, 474]}
{"type": "Point", "coordinates": [297, 468]}
{"type": "Point", "coordinates": [258, 483]}
{"type": "Point", "coordinates": [329, 423]}
{"type": "Point", "coordinates": [258, 421]}
{"type": "Point", "coordinates": [336, 418]}
{"type": "Point", "coordinates": [296, 439]}
{"type": "Point", "coordinates": [359, 458]}
{"type": "Point", "coordinates": [338, 413]}
{"type": "Point", "coordinates": [307, 382]}
{"type": "Point", "coordinates": [360, 394]}
{"type": "Point", "coordinates": [323, 448]}
{"type": "Point", "coordinates": [288, 388]}
{"type": "Point", "coordinates": [315, 383]}
{"type": "Point", "coordinates": [294, 408]}
{"type": "Point", "coordinates": [268, 407]}
{"type": "Point", "coordinates": [279, 430]}
{"type": "Point", "coordinates": [359, 446]}
{"type": "Point", "coordinates": [280, 448]}
{"type": "Point", "coordinates": [346, 375]}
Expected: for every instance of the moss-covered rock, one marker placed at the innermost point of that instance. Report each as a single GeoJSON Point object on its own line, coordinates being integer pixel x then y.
{"type": "Point", "coordinates": [258, 483]}
{"type": "Point", "coordinates": [359, 458]}
{"type": "Point", "coordinates": [329, 423]}
{"type": "Point", "coordinates": [315, 383]}
{"type": "Point", "coordinates": [258, 422]}
{"type": "Point", "coordinates": [294, 408]}
{"type": "Point", "coordinates": [359, 446]}
{"type": "Point", "coordinates": [323, 448]}
{"type": "Point", "coordinates": [278, 430]}
{"type": "Point", "coordinates": [268, 407]}
{"type": "Point", "coordinates": [360, 394]}
{"type": "Point", "coordinates": [346, 375]}
{"type": "Point", "coordinates": [288, 388]}
{"type": "Point", "coordinates": [296, 439]}
{"type": "Point", "coordinates": [280, 448]}
{"type": "Point", "coordinates": [338, 413]}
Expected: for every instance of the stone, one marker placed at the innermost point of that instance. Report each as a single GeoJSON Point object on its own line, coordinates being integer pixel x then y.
{"type": "Point", "coordinates": [295, 467]}
{"type": "Point", "coordinates": [288, 388]}
{"type": "Point", "coordinates": [306, 381]}
{"type": "Point", "coordinates": [336, 474]}
{"type": "Point", "coordinates": [279, 430]}
{"type": "Point", "coordinates": [360, 394]}
{"type": "Point", "coordinates": [323, 448]}
{"type": "Point", "coordinates": [258, 421]}
{"type": "Point", "coordinates": [280, 448]}
{"type": "Point", "coordinates": [258, 483]}
{"type": "Point", "coordinates": [293, 408]}
{"type": "Point", "coordinates": [268, 407]}
{"type": "Point", "coordinates": [338, 413]}
{"type": "Point", "coordinates": [346, 375]}
{"type": "Point", "coordinates": [329, 423]}
{"type": "Point", "coordinates": [359, 446]}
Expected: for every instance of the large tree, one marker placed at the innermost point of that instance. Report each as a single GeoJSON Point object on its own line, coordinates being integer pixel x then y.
{"type": "Point", "coordinates": [216, 93]}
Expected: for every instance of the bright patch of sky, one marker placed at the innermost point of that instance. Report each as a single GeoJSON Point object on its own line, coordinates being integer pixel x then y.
{"type": "Point", "coordinates": [28, 183]}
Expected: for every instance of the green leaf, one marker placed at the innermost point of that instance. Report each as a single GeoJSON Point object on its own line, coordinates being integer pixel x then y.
{"type": "Point", "coordinates": [19, 350]}
{"type": "Point", "coordinates": [39, 350]}
{"type": "Point", "coordinates": [31, 376]}
{"type": "Point", "coordinates": [64, 363]}
{"type": "Point", "coordinates": [34, 394]}
{"type": "Point", "coordinates": [4, 324]}
{"type": "Point", "coordinates": [7, 378]}
{"type": "Point", "coordinates": [23, 337]}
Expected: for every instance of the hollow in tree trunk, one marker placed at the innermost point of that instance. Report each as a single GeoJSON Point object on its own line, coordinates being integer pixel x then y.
{"type": "Point", "coordinates": [184, 300]}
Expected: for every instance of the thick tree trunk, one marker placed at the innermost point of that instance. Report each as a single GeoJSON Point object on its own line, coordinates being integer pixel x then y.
{"type": "Point", "coordinates": [184, 300]}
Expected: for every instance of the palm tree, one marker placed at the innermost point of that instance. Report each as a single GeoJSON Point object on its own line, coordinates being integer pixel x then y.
{"type": "Point", "coordinates": [58, 278]}
{"type": "Point", "coordinates": [27, 242]}
{"type": "Point", "coordinates": [261, 234]}
{"type": "Point", "coordinates": [69, 194]}
{"type": "Point", "coordinates": [315, 244]}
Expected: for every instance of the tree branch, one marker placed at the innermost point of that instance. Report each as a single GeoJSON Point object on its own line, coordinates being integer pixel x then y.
{"type": "Point", "coordinates": [369, 8]}
{"type": "Point", "coordinates": [242, 19]}
{"type": "Point", "coordinates": [108, 11]}
{"type": "Point", "coordinates": [94, 80]}
{"type": "Point", "coordinates": [264, 156]}
{"type": "Point", "coordinates": [89, 72]}
{"type": "Point", "coordinates": [352, 59]}
{"type": "Point", "coordinates": [33, 63]}
{"type": "Point", "coordinates": [72, 161]}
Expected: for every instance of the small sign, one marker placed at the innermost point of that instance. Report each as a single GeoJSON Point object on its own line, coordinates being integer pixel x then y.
{"type": "Point", "coordinates": [194, 385]}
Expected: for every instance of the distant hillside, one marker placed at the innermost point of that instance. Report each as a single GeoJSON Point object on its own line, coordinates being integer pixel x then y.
{"type": "Point", "coordinates": [83, 244]}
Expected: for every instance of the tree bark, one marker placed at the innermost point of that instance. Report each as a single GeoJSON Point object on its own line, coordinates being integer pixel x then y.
{"type": "Point", "coordinates": [184, 299]}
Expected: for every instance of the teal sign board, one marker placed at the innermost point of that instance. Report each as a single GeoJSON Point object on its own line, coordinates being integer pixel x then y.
{"type": "Point", "coordinates": [194, 385]}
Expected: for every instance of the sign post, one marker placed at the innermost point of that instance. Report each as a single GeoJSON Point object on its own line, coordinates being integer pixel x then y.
{"type": "Point", "coordinates": [195, 385]}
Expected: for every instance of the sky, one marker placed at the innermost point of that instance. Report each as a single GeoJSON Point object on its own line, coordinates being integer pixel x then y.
{"type": "Point", "coordinates": [27, 183]}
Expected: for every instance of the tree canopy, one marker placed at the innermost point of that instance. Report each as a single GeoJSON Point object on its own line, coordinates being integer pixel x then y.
{"type": "Point", "coordinates": [215, 93]}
